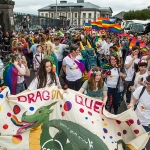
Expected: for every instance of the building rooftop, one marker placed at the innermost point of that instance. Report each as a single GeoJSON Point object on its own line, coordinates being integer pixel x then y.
{"type": "Point", "coordinates": [85, 5]}
{"type": "Point", "coordinates": [120, 15]}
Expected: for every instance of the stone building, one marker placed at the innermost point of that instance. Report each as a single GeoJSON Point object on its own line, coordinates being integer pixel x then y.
{"type": "Point", "coordinates": [78, 13]}
{"type": "Point", "coordinates": [6, 15]}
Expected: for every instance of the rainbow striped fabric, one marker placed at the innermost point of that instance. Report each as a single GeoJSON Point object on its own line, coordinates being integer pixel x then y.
{"type": "Point", "coordinates": [103, 24]}
{"type": "Point", "coordinates": [107, 24]}
{"type": "Point", "coordinates": [116, 28]}
{"type": "Point", "coordinates": [10, 76]}
{"type": "Point", "coordinates": [15, 121]}
{"type": "Point", "coordinates": [87, 26]}
{"type": "Point", "coordinates": [145, 48]}
{"type": "Point", "coordinates": [96, 25]}
{"type": "Point", "coordinates": [31, 40]}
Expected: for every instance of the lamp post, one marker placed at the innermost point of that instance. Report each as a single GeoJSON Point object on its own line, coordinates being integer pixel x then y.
{"type": "Point", "coordinates": [70, 16]}
{"type": "Point", "coordinates": [56, 9]}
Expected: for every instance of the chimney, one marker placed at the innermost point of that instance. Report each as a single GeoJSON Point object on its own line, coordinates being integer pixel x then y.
{"type": "Point", "coordinates": [63, 2]}
{"type": "Point", "coordinates": [80, 1]}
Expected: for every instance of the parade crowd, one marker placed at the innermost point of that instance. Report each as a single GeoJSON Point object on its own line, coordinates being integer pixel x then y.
{"type": "Point", "coordinates": [102, 65]}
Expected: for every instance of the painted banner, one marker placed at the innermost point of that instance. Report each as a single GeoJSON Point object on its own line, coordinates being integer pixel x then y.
{"type": "Point", "coordinates": [49, 119]}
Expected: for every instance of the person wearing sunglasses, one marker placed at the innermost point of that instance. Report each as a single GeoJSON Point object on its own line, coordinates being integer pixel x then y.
{"type": "Point", "coordinates": [141, 97]}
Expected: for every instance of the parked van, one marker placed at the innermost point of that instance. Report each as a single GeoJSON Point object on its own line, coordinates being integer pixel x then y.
{"type": "Point", "coordinates": [140, 27]}
{"type": "Point", "coordinates": [128, 25]}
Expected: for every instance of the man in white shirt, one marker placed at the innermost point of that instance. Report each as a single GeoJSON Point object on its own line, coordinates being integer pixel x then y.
{"type": "Point", "coordinates": [141, 97]}
{"type": "Point", "coordinates": [59, 49]}
{"type": "Point", "coordinates": [102, 41]}
{"type": "Point", "coordinates": [106, 47]}
{"type": "Point", "coordinates": [130, 62]}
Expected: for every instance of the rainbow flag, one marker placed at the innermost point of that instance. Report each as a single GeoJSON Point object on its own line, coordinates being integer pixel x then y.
{"type": "Point", "coordinates": [145, 49]}
{"type": "Point", "coordinates": [87, 26]}
{"type": "Point", "coordinates": [96, 25]}
{"type": "Point", "coordinates": [107, 24]}
{"type": "Point", "coordinates": [133, 43]}
{"type": "Point", "coordinates": [10, 76]}
{"type": "Point", "coordinates": [31, 40]}
{"type": "Point", "coordinates": [101, 19]}
{"type": "Point", "coordinates": [116, 28]}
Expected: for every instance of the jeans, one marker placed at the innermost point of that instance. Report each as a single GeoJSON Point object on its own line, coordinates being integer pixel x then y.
{"type": "Point", "coordinates": [115, 96]}
{"type": "Point", "coordinates": [75, 85]}
{"type": "Point", "coordinates": [59, 66]}
{"type": "Point", "coordinates": [147, 129]}
{"type": "Point", "coordinates": [126, 90]}
{"type": "Point", "coordinates": [20, 88]}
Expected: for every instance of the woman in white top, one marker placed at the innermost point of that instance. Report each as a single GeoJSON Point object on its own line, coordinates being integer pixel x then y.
{"type": "Point", "coordinates": [141, 75]}
{"type": "Point", "coordinates": [20, 64]}
{"type": "Point", "coordinates": [112, 80]}
{"type": "Point", "coordinates": [45, 77]}
{"type": "Point", "coordinates": [141, 96]}
{"type": "Point", "coordinates": [72, 69]}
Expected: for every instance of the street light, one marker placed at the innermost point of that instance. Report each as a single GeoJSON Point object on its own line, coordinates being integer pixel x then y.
{"type": "Point", "coordinates": [70, 17]}
{"type": "Point", "coordinates": [56, 9]}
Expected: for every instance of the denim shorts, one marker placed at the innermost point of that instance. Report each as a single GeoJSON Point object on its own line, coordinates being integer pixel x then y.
{"type": "Point", "coordinates": [147, 128]}
{"type": "Point", "coordinates": [20, 88]}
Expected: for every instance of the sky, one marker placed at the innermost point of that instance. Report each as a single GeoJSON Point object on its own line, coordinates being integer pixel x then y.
{"type": "Point", "coordinates": [31, 6]}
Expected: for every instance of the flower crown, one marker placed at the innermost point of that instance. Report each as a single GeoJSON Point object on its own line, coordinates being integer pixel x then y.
{"type": "Point", "coordinates": [94, 72]}
{"type": "Point", "coordinates": [142, 61]}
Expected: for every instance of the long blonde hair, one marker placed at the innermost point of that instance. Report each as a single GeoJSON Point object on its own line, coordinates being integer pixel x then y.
{"type": "Point", "coordinates": [48, 49]}
{"type": "Point", "coordinates": [14, 43]}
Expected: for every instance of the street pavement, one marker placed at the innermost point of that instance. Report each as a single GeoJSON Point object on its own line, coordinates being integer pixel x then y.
{"type": "Point", "coordinates": [121, 109]}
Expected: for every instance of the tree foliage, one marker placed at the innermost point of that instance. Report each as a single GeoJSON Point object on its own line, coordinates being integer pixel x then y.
{"type": "Point", "coordinates": [137, 14]}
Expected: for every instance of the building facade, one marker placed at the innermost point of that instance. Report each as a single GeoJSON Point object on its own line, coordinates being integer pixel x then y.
{"type": "Point", "coordinates": [6, 15]}
{"type": "Point", "coordinates": [78, 13]}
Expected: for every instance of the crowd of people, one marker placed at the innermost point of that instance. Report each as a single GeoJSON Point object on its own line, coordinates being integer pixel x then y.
{"type": "Point", "coordinates": [120, 71]}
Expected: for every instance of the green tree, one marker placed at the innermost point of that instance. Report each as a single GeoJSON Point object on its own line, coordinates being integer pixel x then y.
{"type": "Point", "coordinates": [138, 14]}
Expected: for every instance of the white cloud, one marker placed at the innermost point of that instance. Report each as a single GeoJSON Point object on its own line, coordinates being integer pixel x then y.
{"type": "Point", "coordinates": [31, 6]}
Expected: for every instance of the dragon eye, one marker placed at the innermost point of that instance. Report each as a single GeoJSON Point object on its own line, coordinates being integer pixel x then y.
{"type": "Point", "coordinates": [40, 111]}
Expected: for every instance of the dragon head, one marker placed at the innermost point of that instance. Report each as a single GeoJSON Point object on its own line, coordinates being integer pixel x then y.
{"type": "Point", "coordinates": [37, 118]}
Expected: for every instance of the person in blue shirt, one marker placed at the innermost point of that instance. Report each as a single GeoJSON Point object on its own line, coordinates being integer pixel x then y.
{"type": "Point", "coordinates": [33, 47]}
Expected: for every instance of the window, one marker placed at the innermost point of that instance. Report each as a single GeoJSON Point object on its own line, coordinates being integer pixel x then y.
{"type": "Point", "coordinates": [75, 15]}
{"type": "Point", "coordinates": [46, 15]}
{"type": "Point", "coordinates": [83, 22]}
{"type": "Point", "coordinates": [42, 14]}
{"type": "Point", "coordinates": [68, 15]}
{"type": "Point", "coordinates": [57, 15]}
{"type": "Point", "coordinates": [89, 21]}
{"type": "Point", "coordinates": [63, 14]}
{"type": "Point", "coordinates": [90, 15]}
{"type": "Point", "coordinates": [84, 15]}
{"type": "Point", "coordinates": [75, 21]}
{"type": "Point", "coordinates": [52, 15]}
{"type": "Point", "coordinates": [42, 21]}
